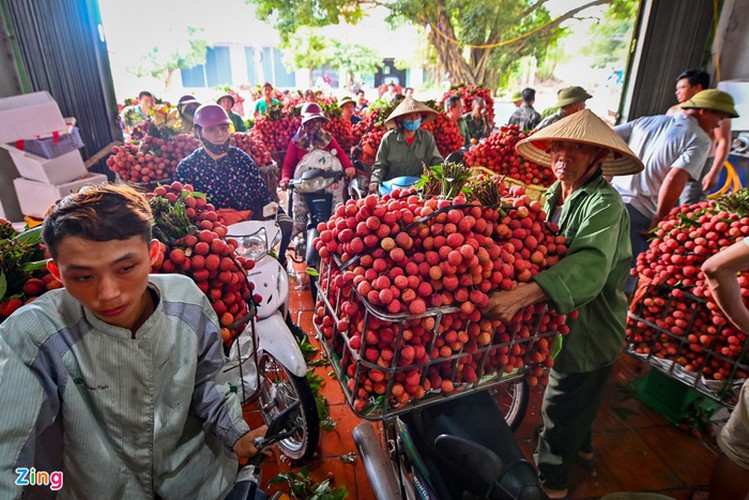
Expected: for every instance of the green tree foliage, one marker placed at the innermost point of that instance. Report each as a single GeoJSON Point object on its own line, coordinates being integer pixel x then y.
{"type": "Point", "coordinates": [182, 51]}
{"type": "Point", "coordinates": [354, 59]}
{"type": "Point", "coordinates": [476, 41]}
{"type": "Point", "coordinates": [611, 36]}
{"type": "Point", "coordinates": [304, 49]}
{"type": "Point", "coordinates": [548, 66]}
{"type": "Point", "coordinates": [423, 55]}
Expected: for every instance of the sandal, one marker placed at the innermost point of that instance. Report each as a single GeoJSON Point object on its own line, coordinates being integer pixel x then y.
{"type": "Point", "coordinates": [565, 497]}
{"type": "Point", "coordinates": [701, 493]}
{"type": "Point", "coordinates": [588, 464]}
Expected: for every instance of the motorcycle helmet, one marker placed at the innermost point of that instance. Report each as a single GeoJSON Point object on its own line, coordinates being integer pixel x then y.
{"type": "Point", "coordinates": [186, 100]}
{"type": "Point", "coordinates": [231, 97]}
{"type": "Point", "coordinates": [312, 111]}
{"type": "Point", "coordinates": [208, 115]}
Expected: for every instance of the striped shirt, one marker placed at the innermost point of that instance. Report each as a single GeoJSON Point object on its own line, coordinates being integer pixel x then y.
{"type": "Point", "coordinates": [122, 417]}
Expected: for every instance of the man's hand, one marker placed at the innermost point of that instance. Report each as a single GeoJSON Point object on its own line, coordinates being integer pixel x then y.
{"type": "Point", "coordinates": [504, 305]}
{"type": "Point", "coordinates": [245, 446]}
{"type": "Point", "coordinates": [284, 184]}
{"type": "Point", "coordinates": [709, 182]}
{"type": "Point", "coordinates": [350, 172]}
{"type": "Point", "coordinates": [374, 187]}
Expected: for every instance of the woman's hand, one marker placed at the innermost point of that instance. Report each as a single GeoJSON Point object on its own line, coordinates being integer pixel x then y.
{"type": "Point", "coordinates": [284, 184]}
{"type": "Point", "coordinates": [374, 187]}
{"type": "Point", "coordinates": [350, 172]}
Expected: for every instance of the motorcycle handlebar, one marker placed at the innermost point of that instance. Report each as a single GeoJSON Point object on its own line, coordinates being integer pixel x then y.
{"type": "Point", "coordinates": [455, 157]}
{"type": "Point", "coordinates": [281, 427]}
{"type": "Point", "coordinates": [361, 166]}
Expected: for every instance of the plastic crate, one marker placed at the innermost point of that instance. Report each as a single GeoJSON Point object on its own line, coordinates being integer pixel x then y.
{"type": "Point", "coordinates": [521, 343]}
{"type": "Point", "coordinates": [52, 147]}
{"type": "Point", "coordinates": [665, 351]}
{"type": "Point", "coordinates": [670, 398]}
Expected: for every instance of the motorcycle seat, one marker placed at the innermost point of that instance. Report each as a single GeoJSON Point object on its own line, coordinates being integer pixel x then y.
{"type": "Point", "coordinates": [473, 422]}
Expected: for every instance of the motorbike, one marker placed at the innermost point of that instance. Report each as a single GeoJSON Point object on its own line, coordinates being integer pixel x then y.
{"type": "Point", "coordinates": [442, 446]}
{"type": "Point", "coordinates": [267, 363]}
{"type": "Point", "coordinates": [282, 426]}
{"type": "Point", "coordinates": [359, 186]}
{"type": "Point", "coordinates": [445, 451]}
{"type": "Point", "coordinates": [311, 185]}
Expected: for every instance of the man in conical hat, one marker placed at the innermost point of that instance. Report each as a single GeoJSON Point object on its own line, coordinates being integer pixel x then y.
{"type": "Point", "coordinates": [581, 150]}
{"type": "Point", "coordinates": [405, 150]}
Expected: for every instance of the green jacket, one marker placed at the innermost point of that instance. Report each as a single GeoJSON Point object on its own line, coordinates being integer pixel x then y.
{"type": "Point", "coordinates": [396, 158]}
{"type": "Point", "coordinates": [590, 278]}
{"type": "Point", "coordinates": [238, 122]}
{"type": "Point", "coordinates": [472, 129]}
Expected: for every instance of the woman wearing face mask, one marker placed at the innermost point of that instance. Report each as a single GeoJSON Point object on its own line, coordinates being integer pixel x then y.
{"type": "Point", "coordinates": [407, 149]}
{"type": "Point", "coordinates": [186, 110]}
{"type": "Point", "coordinates": [313, 146]}
{"type": "Point", "coordinates": [228, 175]}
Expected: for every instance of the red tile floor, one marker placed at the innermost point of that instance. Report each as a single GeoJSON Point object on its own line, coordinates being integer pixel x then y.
{"type": "Point", "coordinates": [637, 448]}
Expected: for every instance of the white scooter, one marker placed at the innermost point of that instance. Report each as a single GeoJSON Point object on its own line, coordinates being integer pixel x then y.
{"type": "Point", "coordinates": [276, 371]}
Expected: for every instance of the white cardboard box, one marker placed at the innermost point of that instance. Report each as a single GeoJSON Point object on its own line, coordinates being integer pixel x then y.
{"type": "Point", "coordinates": [739, 90]}
{"type": "Point", "coordinates": [29, 116]}
{"type": "Point", "coordinates": [36, 197]}
{"type": "Point", "coordinates": [58, 170]}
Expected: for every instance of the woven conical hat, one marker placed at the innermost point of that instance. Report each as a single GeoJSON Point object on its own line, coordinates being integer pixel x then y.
{"type": "Point", "coordinates": [587, 128]}
{"type": "Point", "coordinates": [411, 105]}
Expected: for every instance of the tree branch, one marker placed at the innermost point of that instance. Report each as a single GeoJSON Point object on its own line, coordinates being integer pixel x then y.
{"type": "Point", "coordinates": [530, 10]}
{"type": "Point", "coordinates": [375, 3]}
{"type": "Point", "coordinates": [570, 14]}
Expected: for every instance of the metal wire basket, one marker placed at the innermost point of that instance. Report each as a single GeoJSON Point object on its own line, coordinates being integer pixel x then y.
{"type": "Point", "coordinates": [695, 366]}
{"type": "Point", "coordinates": [523, 343]}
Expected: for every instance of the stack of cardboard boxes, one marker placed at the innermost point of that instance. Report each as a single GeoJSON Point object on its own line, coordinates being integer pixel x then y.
{"type": "Point", "coordinates": [45, 149]}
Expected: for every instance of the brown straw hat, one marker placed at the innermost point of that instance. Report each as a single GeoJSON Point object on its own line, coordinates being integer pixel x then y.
{"type": "Point", "coordinates": [587, 128]}
{"type": "Point", "coordinates": [411, 105]}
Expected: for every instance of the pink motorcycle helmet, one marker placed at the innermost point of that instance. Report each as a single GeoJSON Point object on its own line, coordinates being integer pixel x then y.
{"type": "Point", "coordinates": [209, 115]}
